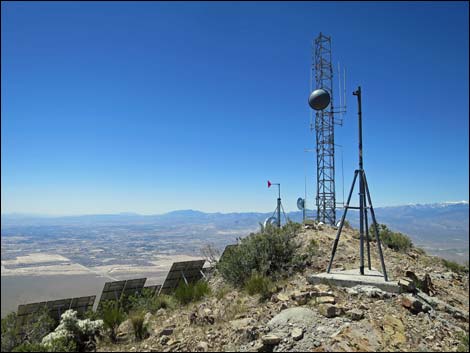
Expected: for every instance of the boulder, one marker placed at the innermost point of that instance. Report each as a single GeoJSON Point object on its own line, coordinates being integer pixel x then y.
{"type": "Point", "coordinates": [167, 331]}
{"type": "Point", "coordinates": [202, 347]}
{"type": "Point", "coordinates": [355, 314]}
{"type": "Point", "coordinates": [271, 340]}
{"type": "Point", "coordinates": [329, 310]}
{"type": "Point", "coordinates": [300, 297]}
{"type": "Point", "coordinates": [282, 297]}
{"type": "Point", "coordinates": [326, 300]}
{"type": "Point", "coordinates": [413, 304]}
{"type": "Point", "coordinates": [297, 334]}
{"type": "Point", "coordinates": [407, 285]}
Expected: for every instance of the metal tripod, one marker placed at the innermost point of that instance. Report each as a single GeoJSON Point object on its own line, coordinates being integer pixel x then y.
{"type": "Point", "coordinates": [363, 201]}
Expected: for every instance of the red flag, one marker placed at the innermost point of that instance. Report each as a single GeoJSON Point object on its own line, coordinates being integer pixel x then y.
{"type": "Point", "coordinates": [269, 184]}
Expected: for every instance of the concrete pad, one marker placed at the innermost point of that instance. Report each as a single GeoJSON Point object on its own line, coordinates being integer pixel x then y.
{"type": "Point", "coordinates": [351, 278]}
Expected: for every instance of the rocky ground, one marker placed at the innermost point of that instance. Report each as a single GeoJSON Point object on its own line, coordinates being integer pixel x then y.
{"type": "Point", "coordinates": [305, 317]}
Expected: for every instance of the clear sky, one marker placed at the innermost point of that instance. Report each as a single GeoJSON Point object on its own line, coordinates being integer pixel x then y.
{"type": "Point", "coordinates": [149, 107]}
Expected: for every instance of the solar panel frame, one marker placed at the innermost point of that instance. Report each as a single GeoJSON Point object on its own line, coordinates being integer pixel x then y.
{"type": "Point", "coordinates": [154, 289]}
{"type": "Point", "coordinates": [57, 307]}
{"type": "Point", "coordinates": [111, 291]}
{"type": "Point", "coordinates": [82, 304]}
{"type": "Point", "coordinates": [133, 287]}
{"type": "Point", "coordinates": [189, 270]}
{"type": "Point", "coordinates": [25, 310]}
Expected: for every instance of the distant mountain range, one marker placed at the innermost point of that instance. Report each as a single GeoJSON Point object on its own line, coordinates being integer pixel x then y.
{"type": "Point", "coordinates": [438, 227]}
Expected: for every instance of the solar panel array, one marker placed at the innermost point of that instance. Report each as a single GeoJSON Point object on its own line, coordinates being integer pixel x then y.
{"type": "Point", "coordinates": [55, 307]}
{"type": "Point", "coordinates": [117, 289]}
{"type": "Point", "coordinates": [82, 304]}
{"type": "Point", "coordinates": [187, 271]}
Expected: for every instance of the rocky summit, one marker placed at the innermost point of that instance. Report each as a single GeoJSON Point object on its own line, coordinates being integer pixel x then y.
{"type": "Point", "coordinates": [430, 313]}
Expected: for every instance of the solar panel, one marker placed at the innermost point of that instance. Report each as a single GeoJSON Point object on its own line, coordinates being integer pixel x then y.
{"type": "Point", "coordinates": [82, 304]}
{"type": "Point", "coordinates": [111, 291]}
{"type": "Point", "coordinates": [187, 271]}
{"type": "Point", "coordinates": [25, 310]}
{"type": "Point", "coordinates": [133, 287]}
{"type": "Point", "coordinates": [57, 307]}
{"type": "Point", "coordinates": [153, 289]}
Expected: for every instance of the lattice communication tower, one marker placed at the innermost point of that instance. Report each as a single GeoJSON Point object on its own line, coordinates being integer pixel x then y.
{"type": "Point", "coordinates": [322, 75]}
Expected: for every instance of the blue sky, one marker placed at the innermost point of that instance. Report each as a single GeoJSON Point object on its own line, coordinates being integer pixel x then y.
{"type": "Point", "coordinates": [150, 107]}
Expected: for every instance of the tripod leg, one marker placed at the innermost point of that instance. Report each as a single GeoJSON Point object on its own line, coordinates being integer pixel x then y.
{"type": "Point", "coordinates": [335, 245]}
{"type": "Point", "coordinates": [361, 222]}
{"type": "Point", "coordinates": [366, 223]}
{"type": "Point", "coordinates": [374, 220]}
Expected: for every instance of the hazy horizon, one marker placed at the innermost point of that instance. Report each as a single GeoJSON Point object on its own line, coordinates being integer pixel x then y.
{"type": "Point", "coordinates": [198, 210]}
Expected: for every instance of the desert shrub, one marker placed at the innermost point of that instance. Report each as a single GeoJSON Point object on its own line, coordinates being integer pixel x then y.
{"type": "Point", "coordinates": [454, 266]}
{"type": "Point", "coordinates": [233, 309]}
{"type": "Point", "coordinates": [29, 335]}
{"type": "Point", "coordinates": [73, 334]}
{"type": "Point", "coordinates": [164, 301]}
{"type": "Point", "coordinates": [112, 315]}
{"type": "Point", "coordinates": [259, 284]}
{"type": "Point", "coordinates": [28, 347]}
{"type": "Point", "coordinates": [10, 333]}
{"type": "Point", "coordinates": [187, 293]}
{"type": "Point", "coordinates": [222, 292]}
{"type": "Point", "coordinates": [393, 240]}
{"type": "Point", "coordinates": [137, 319]}
{"type": "Point", "coordinates": [270, 252]}
{"type": "Point", "coordinates": [312, 248]}
{"type": "Point", "coordinates": [464, 343]}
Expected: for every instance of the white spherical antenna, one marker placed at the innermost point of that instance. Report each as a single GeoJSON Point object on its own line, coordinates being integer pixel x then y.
{"type": "Point", "coordinates": [319, 99]}
{"type": "Point", "coordinates": [338, 224]}
{"type": "Point", "coordinates": [270, 220]}
{"type": "Point", "coordinates": [300, 203]}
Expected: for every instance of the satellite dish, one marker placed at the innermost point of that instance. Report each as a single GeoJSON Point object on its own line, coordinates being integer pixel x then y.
{"type": "Point", "coordinates": [270, 220]}
{"type": "Point", "coordinates": [319, 99]}
{"type": "Point", "coordinates": [338, 224]}
{"type": "Point", "coordinates": [300, 203]}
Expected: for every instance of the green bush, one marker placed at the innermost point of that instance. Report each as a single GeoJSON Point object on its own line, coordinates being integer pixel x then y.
{"type": "Point", "coordinates": [222, 292]}
{"type": "Point", "coordinates": [29, 347]}
{"type": "Point", "coordinates": [30, 334]}
{"type": "Point", "coordinates": [259, 284]}
{"type": "Point", "coordinates": [137, 320]}
{"type": "Point", "coordinates": [270, 252]}
{"type": "Point", "coordinates": [464, 343]}
{"type": "Point", "coordinates": [393, 240]}
{"type": "Point", "coordinates": [312, 248]}
{"type": "Point", "coordinates": [163, 301]}
{"type": "Point", "coordinates": [454, 266]}
{"type": "Point", "coordinates": [10, 333]}
{"type": "Point", "coordinates": [112, 315]}
{"type": "Point", "coordinates": [192, 292]}
{"type": "Point", "coordinates": [62, 344]}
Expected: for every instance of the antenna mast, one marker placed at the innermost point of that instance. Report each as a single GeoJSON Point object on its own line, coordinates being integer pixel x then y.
{"type": "Point", "coordinates": [322, 72]}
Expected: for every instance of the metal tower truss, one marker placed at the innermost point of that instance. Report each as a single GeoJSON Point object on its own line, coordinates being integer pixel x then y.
{"type": "Point", "coordinates": [322, 72]}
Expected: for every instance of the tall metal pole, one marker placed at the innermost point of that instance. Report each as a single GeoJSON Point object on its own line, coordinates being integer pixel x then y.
{"type": "Point", "coordinates": [361, 183]}
{"type": "Point", "coordinates": [279, 206]}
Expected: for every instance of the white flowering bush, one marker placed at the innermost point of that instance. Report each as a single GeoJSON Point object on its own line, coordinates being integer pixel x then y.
{"type": "Point", "coordinates": [73, 333]}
